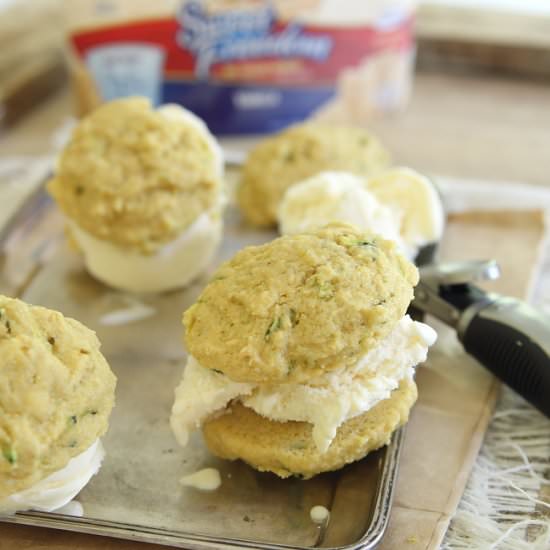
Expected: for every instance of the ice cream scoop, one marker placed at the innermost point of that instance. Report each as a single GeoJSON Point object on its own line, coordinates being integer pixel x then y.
{"type": "Point", "coordinates": [336, 197]}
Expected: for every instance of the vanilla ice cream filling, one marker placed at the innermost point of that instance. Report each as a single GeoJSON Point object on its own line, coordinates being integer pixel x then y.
{"type": "Point", "coordinates": [59, 488]}
{"type": "Point", "coordinates": [172, 266]}
{"type": "Point", "coordinates": [337, 197]}
{"type": "Point", "coordinates": [326, 402]}
{"type": "Point", "coordinates": [403, 206]}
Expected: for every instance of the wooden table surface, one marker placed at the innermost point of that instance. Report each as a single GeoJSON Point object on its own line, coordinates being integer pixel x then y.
{"type": "Point", "coordinates": [462, 126]}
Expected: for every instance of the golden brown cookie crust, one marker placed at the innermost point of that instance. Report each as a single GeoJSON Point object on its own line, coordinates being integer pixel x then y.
{"type": "Point", "coordinates": [135, 177]}
{"type": "Point", "coordinates": [298, 153]}
{"type": "Point", "coordinates": [287, 448]}
{"type": "Point", "coordinates": [301, 305]}
{"type": "Point", "coordinates": [56, 393]}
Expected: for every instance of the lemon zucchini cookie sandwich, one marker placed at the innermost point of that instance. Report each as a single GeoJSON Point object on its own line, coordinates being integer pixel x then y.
{"type": "Point", "coordinates": [301, 354]}
{"type": "Point", "coordinates": [56, 395]}
{"type": "Point", "coordinates": [142, 193]}
{"type": "Point", "coordinates": [278, 162]}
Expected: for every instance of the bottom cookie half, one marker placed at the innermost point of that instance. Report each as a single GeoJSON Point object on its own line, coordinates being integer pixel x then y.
{"type": "Point", "coordinates": [287, 448]}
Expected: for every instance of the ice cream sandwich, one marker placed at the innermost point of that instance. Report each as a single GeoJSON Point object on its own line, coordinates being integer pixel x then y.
{"type": "Point", "coordinates": [301, 151]}
{"type": "Point", "coordinates": [56, 395]}
{"type": "Point", "coordinates": [142, 192]}
{"type": "Point", "coordinates": [301, 353]}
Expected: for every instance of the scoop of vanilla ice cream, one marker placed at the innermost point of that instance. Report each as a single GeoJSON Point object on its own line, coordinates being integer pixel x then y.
{"type": "Point", "coordinates": [330, 400]}
{"type": "Point", "coordinates": [336, 197]}
{"type": "Point", "coordinates": [59, 488]}
{"type": "Point", "coordinates": [177, 112]}
{"type": "Point", "coordinates": [326, 402]}
{"type": "Point", "coordinates": [170, 267]}
{"type": "Point", "coordinates": [201, 393]}
{"type": "Point", "coordinates": [415, 199]}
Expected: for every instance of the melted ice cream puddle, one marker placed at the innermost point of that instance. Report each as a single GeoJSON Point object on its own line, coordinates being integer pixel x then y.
{"type": "Point", "coordinates": [336, 197]}
{"type": "Point", "coordinates": [208, 479]}
{"type": "Point", "coordinates": [135, 311]}
{"type": "Point", "coordinates": [72, 508]}
{"type": "Point", "coordinates": [319, 514]}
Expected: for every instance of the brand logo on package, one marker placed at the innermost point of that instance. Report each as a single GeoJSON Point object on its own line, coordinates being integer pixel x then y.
{"type": "Point", "coordinates": [243, 34]}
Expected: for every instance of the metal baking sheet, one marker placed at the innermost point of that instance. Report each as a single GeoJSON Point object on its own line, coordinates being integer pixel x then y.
{"type": "Point", "coordinates": [136, 494]}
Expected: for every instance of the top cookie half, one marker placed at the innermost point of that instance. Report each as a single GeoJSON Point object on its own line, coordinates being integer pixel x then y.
{"type": "Point", "coordinates": [298, 153]}
{"type": "Point", "coordinates": [135, 177]}
{"type": "Point", "coordinates": [300, 305]}
{"type": "Point", "coordinates": [56, 393]}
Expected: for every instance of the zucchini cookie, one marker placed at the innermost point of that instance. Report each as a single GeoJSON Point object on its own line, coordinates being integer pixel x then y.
{"type": "Point", "coordinates": [298, 153]}
{"type": "Point", "coordinates": [56, 395]}
{"type": "Point", "coordinates": [303, 344]}
{"type": "Point", "coordinates": [142, 191]}
{"type": "Point", "coordinates": [288, 448]}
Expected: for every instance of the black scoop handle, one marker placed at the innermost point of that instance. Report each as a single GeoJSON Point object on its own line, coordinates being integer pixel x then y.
{"type": "Point", "coordinates": [512, 340]}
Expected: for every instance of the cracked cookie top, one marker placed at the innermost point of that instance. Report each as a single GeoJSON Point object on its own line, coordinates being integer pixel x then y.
{"type": "Point", "coordinates": [56, 392]}
{"type": "Point", "coordinates": [301, 305]}
{"type": "Point", "coordinates": [135, 176]}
